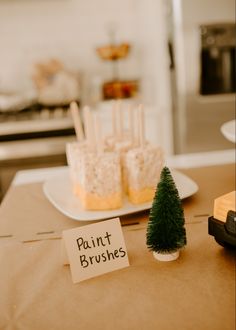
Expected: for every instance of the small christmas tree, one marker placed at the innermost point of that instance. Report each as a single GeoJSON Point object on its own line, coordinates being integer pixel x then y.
{"type": "Point", "coordinates": [165, 231]}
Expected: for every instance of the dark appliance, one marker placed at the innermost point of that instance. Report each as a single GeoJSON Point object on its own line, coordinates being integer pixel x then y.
{"type": "Point", "coordinates": [218, 59]}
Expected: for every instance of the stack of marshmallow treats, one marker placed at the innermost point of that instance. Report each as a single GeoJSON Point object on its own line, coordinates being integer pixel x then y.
{"type": "Point", "coordinates": [104, 169]}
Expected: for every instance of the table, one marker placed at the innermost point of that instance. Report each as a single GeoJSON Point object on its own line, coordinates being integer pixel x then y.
{"type": "Point", "coordinates": [36, 291]}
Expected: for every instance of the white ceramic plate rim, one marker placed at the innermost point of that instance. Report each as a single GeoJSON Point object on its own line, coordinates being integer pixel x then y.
{"type": "Point", "coordinates": [228, 130]}
{"type": "Point", "coordinates": [59, 192]}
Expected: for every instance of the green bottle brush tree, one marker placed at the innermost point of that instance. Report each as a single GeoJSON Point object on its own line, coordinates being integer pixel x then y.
{"type": "Point", "coordinates": [165, 231]}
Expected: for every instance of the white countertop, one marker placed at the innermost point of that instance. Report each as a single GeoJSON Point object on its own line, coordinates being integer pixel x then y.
{"type": "Point", "coordinates": [24, 149]}
{"type": "Point", "coordinates": [178, 161]}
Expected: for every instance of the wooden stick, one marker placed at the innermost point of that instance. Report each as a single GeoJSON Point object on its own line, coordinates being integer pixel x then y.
{"type": "Point", "coordinates": [98, 134]}
{"type": "Point", "coordinates": [86, 122]}
{"type": "Point", "coordinates": [119, 120]}
{"type": "Point", "coordinates": [77, 121]}
{"type": "Point", "coordinates": [136, 126]}
{"type": "Point", "coordinates": [114, 120]}
{"type": "Point", "coordinates": [91, 131]}
{"type": "Point", "coordinates": [131, 123]}
{"type": "Point", "coordinates": [141, 125]}
{"type": "Point", "coordinates": [89, 128]}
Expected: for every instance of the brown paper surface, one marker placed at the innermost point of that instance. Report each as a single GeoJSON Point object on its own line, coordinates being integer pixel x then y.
{"type": "Point", "coordinates": [197, 291]}
{"type": "Point", "coordinates": [194, 292]}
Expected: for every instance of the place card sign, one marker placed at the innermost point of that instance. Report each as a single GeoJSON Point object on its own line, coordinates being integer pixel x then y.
{"type": "Point", "coordinates": [95, 249]}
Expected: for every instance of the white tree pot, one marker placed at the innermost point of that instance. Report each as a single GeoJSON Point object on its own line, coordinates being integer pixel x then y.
{"type": "Point", "coordinates": [166, 256]}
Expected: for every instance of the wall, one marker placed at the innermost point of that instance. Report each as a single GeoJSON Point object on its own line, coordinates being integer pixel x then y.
{"type": "Point", "coordinates": [33, 30]}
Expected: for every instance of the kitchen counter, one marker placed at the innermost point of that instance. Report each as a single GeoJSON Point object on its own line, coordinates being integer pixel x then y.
{"type": "Point", "coordinates": [195, 292]}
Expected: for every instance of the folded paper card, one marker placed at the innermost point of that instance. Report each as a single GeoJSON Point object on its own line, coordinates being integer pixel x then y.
{"type": "Point", "coordinates": [95, 249]}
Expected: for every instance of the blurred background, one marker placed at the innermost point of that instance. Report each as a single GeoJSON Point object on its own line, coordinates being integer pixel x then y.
{"type": "Point", "coordinates": [177, 57]}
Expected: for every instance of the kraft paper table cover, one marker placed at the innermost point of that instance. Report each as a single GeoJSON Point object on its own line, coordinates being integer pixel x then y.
{"type": "Point", "coordinates": [26, 214]}
{"type": "Point", "coordinates": [195, 292]}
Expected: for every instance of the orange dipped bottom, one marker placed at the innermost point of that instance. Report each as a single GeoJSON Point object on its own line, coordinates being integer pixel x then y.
{"type": "Point", "coordinates": [92, 201]}
{"type": "Point", "coordinates": [142, 195]}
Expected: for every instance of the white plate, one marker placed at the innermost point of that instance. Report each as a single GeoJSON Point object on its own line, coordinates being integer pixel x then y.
{"type": "Point", "coordinates": [59, 192]}
{"type": "Point", "coordinates": [228, 130]}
